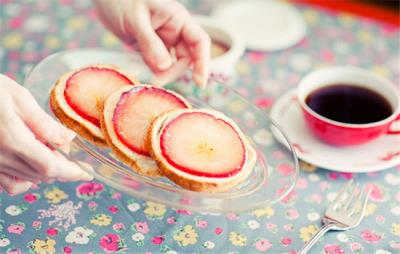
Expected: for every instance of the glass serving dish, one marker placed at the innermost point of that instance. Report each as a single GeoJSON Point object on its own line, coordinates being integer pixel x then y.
{"type": "Point", "coordinates": [273, 176]}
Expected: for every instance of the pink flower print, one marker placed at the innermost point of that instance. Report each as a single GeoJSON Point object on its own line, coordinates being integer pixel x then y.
{"type": "Point", "coordinates": [157, 239]}
{"type": "Point", "coordinates": [370, 236]}
{"type": "Point", "coordinates": [36, 224]}
{"type": "Point", "coordinates": [14, 251]}
{"type": "Point", "coordinates": [316, 198]}
{"type": "Point", "coordinates": [292, 213]}
{"type": "Point", "coordinates": [397, 197]}
{"type": "Point", "coordinates": [111, 243]}
{"type": "Point", "coordinates": [278, 155]}
{"type": "Point", "coordinates": [183, 211]}
{"type": "Point", "coordinates": [380, 219]}
{"type": "Point", "coordinates": [52, 231]}
{"type": "Point", "coordinates": [288, 227]}
{"type": "Point", "coordinates": [285, 169]}
{"type": "Point", "coordinates": [264, 102]}
{"type": "Point", "coordinates": [119, 227]}
{"type": "Point", "coordinates": [148, 252]}
{"type": "Point", "coordinates": [347, 175]}
{"type": "Point", "coordinates": [89, 190]}
{"type": "Point", "coordinates": [256, 57]}
{"type": "Point", "coordinates": [218, 230]}
{"type": "Point", "coordinates": [113, 209]}
{"type": "Point", "coordinates": [289, 197]}
{"type": "Point", "coordinates": [286, 241]}
{"type": "Point", "coordinates": [201, 223]}
{"type": "Point", "coordinates": [30, 198]}
{"type": "Point", "coordinates": [17, 229]}
{"type": "Point", "coordinates": [395, 245]}
{"type": "Point", "coordinates": [142, 227]}
{"type": "Point", "coordinates": [67, 250]}
{"type": "Point", "coordinates": [263, 245]}
{"type": "Point", "coordinates": [333, 249]}
{"type": "Point", "coordinates": [301, 183]}
{"type": "Point", "coordinates": [271, 227]}
{"type": "Point", "coordinates": [324, 185]}
{"type": "Point", "coordinates": [376, 192]}
{"type": "Point", "coordinates": [92, 205]}
{"type": "Point", "coordinates": [116, 195]}
{"type": "Point", "coordinates": [333, 176]}
{"type": "Point", "coordinates": [232, 216]}
{"type": "Point", "coordinates": [171, 220]}
{"type": "Point", "coordinates": [327, 56]}
{"type": "Point", "coordinates": [355, 247]}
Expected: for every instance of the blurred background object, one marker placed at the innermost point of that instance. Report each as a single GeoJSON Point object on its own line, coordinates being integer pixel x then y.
{"type": "Point", "coordinates": [387, 11]}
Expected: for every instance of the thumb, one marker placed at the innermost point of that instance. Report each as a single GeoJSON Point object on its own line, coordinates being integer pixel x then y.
{"type": "Point", "coordinates": [154, 51]}
{"type": "Point", "coordinates": [40, 123]}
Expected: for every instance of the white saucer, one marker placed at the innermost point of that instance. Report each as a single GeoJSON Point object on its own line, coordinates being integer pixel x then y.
{"type": "Point", "coordinates": [262, 25]}
{"type": "Point", "coordinates": [379, 154]}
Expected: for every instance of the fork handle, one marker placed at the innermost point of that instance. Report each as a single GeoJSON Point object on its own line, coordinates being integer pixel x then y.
{"type": "Point", "coordinates": [325, 228]}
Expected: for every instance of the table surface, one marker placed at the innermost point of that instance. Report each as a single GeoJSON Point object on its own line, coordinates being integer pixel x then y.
{"type": "Point", "coordinates": [64, 218]}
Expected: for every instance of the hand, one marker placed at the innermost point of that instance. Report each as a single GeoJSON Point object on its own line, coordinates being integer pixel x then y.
{"type": "Point", "coordinates": [159, 27]}
{"type": "Point", "coordinates": [23, 158]}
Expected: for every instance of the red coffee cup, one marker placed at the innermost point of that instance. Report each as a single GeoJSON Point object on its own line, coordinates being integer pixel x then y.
{"type": "Point", "coordinates": [341, 133]}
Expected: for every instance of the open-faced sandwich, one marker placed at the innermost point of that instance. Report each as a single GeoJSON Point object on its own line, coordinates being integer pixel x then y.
{"type": "Point", "coordinates": [127, 116]}
{"type": "Point", "coordinates": [78, 96]}
{"type": "Point", "coordinates": [201, 150]}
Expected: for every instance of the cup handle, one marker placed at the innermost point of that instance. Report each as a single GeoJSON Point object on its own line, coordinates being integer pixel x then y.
{"type": "Point", "coordinates": [394, 131]}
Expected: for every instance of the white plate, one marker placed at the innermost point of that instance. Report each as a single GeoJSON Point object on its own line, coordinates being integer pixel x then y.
{"type": "Point", "coordinates": [378, 154]}
{"type": "Point", "coordinates": [262, 25]}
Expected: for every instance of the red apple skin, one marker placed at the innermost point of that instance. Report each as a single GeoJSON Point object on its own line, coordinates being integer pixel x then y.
{"type": "Point", "coordinates": [123, 80]}
{"type": "Point", "coordinates": [177, 165]}
{"type": "Point", "coordinates": [160, 101]}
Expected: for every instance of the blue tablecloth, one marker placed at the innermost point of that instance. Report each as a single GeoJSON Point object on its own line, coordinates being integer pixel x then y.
{"type": "Point", "coordinates": [89, 217]}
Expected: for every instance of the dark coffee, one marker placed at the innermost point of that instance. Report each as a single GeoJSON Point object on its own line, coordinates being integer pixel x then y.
{"type": "Point", "coordinates": [349, 104]}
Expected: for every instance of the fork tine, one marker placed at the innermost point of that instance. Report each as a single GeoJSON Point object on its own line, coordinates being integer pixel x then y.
{"type": "Point", "coordinates": [352, 196]}
{"type": "Point", "coordinates": [342, 192]}
{"type": "Point", "coordinates": [361, 202]}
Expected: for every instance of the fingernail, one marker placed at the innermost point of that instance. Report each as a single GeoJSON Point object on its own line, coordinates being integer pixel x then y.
{"type": "Point", "coordinates": [86, 177]}
{"type": "Point", "coordinates": [164, 64]}
{"type": "Point", "coordinates": [201, 80]}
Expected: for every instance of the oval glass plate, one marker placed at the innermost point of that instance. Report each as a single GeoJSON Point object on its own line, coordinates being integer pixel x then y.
{"type": "Point", "coordinates": [274, 174]}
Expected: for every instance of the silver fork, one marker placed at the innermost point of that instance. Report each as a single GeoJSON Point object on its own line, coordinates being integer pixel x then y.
{"type": "Point", "coordinates": [345, 212]}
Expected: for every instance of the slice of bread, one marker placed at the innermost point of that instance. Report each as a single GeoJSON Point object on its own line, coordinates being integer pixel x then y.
{"type": "Point", "coordinates": [196, 182]}
{"type": "Point", "coordinates": [140, 163]}
{"type": "Point", "coordinates": [69, 117]}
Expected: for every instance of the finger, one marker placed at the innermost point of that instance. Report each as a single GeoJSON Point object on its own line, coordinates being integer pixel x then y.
{"type": "Point", "coordinates": [175, 71]}
{"type": "Point", "coordinates": [48, 163]}
{"type": "Point", "coordinates": [9, 160]}
{"type": "Point", "coordinates": [154, 52]}
{"type": "Point", "coordinates": [170, 31]}
{"type": "Point", "coordinates": [43, 125]}
{"type": "Point", "coordinates": [182, 51]}
{"type": "Point", "coordinates": [16, 173]}
{"type": "Point", "coordinates": [13, 185]}
{"type": "Point", "coordinates": [198, 43]}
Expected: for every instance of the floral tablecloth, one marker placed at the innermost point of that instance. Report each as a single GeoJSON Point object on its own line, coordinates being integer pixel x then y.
{"type": "Point", "coordinates": [89, 217]}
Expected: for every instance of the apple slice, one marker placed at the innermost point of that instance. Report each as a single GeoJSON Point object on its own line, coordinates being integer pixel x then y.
{"type": "Point", "coordinates": [198, 143]}
{"type": "Point", "coordinates": [87, 89]}
{"type": "Point", "coordinates": [137, 109]}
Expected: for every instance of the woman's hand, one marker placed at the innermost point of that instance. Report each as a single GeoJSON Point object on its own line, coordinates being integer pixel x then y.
{"type": "Point", "coordinates": [24, 130]}
{"type": "Point", "coordinates": [159, 27]}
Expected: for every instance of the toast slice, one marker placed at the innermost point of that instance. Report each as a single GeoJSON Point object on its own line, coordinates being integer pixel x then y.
{"type": "Point", "coordinates": [201, 150]}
